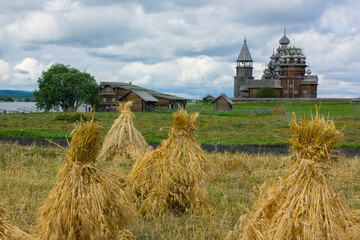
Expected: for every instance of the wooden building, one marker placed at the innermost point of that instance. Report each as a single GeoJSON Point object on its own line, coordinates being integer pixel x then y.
{"type": "Point", "coordinates": [208, 98]}
{"type": "Point", "coordinates": [223, 103]}
{"type": "Point", "coordinates": [286, 73]}
{"type": "Point", "coordinates": [144, 100]}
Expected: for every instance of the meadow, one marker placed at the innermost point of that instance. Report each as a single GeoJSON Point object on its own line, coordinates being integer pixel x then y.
{"type": "Point", "coordinates": [28, 174]}
{"type": "Point", "coordinates": [240, 127]}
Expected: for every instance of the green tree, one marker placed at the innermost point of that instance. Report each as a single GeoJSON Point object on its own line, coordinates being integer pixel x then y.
{"type": "Point", "coordinates": [9, 99]}
{"type": "Point", "coordinates": [266, 92]}
{"type": "Point", "coordinates": [65, 87]}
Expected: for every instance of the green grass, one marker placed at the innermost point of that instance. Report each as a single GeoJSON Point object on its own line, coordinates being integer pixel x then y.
{"type": "Point", "coordinates": [28, 174]}
{"type": "Point", "coordinates": [239, 127]}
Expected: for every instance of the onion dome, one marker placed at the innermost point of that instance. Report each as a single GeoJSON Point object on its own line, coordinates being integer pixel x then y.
{"type": "Point", "coordinates": [284, 40]}
{"type": "Point", "coordinates": [267, 72]}
{"type": "Point", "coordinates": [308, 71]}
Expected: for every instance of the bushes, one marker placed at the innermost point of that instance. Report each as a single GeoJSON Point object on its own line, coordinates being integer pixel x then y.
{"type": "Point", "coordinates": [266, 92]}
{"type": "Point", "coordinates": [72, 117]}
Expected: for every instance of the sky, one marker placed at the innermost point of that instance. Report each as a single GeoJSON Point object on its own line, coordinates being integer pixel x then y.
{"type": "Point", "coordinates": [183, 47]}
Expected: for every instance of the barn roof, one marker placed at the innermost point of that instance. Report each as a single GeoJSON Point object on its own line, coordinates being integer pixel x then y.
{"type": "Point", "coordinates": [132, 87]}
{"type": "Point", "coordinates": [141, 94]}
{"type": "Point", "coordinates": [225, 97]}
{"type": "Point", "coordinates": [207, 96]}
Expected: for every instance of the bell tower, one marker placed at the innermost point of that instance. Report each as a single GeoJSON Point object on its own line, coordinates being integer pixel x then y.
{"type": "Point", "coordinates": [244, 69]}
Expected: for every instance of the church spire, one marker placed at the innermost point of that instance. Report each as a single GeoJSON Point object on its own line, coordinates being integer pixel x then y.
{"type": "Point", "coordinates": [244, 56]}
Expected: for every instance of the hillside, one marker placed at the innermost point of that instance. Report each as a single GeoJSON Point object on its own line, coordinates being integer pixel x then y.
{"type": "Point", "coordinates": [18, 95]}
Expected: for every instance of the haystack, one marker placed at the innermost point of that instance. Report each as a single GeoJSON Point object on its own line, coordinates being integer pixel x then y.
{"type": "Point", "coordinates": [10, 232]}
{"type": "Point", "coordinates": [86, 202]}
{"type": "Point", "coordinates": [123, 141]}
{"type": "Point", "coordinates": [304, 203]}
{"type": "Point", "coordinates": [173, 176]}
{"type": "Point", "coordinates": [278, 111]}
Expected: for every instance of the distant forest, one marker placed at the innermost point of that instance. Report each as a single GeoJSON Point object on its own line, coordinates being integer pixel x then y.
{"type": "Point", "coordinates": [16, 96]}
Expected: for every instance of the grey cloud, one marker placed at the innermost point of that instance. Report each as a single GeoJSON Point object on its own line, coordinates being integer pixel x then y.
{"type": "Point", "coordinates": [19, 5]}
{"type": "Point", "coordinates": [104, 36]}
{"type": "Point", "coordinates": [22, 71]}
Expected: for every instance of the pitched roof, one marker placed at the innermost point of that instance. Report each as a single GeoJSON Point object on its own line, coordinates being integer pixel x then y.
{"type": "Point", "coordinates": [131, 87]}
{"type": "Point", "coordinates": [244, 55]}
{"type": "Point", "coordinates": [207, 96]}
{"type": "Point", "coordinates": [141, 94]}
{"type": "Point", "coordinates": [226, 99]}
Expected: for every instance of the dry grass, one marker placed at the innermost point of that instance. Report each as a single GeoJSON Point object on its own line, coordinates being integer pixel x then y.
{"type": "Point", "coordinates": [8, 231]}
{"type": "Point", "coordinates": [278, 111]}
{"type": "Point", "coordinates": [86, 202]}
{"type": "Point", "coordinates": [174, 175]}
{"type": "Point", "coordinates": [304, 203]}
{"type": "Point", "coordinates": [123, 141]}
{"type": "Point", "coordinates": [27, 175]}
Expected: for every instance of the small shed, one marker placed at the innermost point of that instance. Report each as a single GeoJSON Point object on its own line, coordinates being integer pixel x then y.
{"type": "Point", "coordinates": [223, 103]}
{"type": "Point", "coordinates": [142, 101]}
{"type": "Point", "coordinates": [208, 98]}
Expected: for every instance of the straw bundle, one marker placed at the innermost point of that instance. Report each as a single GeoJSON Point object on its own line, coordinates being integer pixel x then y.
{"type": "Point", "coordinates": [123, 141]}
{"type": "Point", "coordinates": [304, 203]}
{"type": "Point", "coordinates": [278, 111]}
{"type": "Point", "coordinates": [173, 176]}
{"type": "Point", "coordinates": [86, 202]}
{"type": "Point", "coordinates": [9, 231]}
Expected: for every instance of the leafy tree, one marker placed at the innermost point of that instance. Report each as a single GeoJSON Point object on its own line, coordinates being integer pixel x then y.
{"type": "Point", "coordinates": [266, 92]}
{"type": "Point", "coordinates": [9, 99]}
{"type": "Point", "coordinates": [65, 87]}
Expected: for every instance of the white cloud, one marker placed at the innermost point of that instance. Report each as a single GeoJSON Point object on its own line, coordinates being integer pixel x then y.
{"type": "Point", "coordinates": [194, 75]}
{"type": "Point", "coordinates": [61, 5]}
{"type": "Point", "coordinates": [341, 19]}
{"type": "Point", "coordinates": [22, 75]}
{"type": "Point", "coordinates": [337, 88]}
{"type": "Point", "coordinates": [185, 47]}
{"type": "Point", "coordinates": [4, 71]}
{"type": "Point", "coordinates": [144, 80]}
{"type": "Point", "coordinates": [38, 26]}
{"type": "Point", "coordinates": [31, 67]}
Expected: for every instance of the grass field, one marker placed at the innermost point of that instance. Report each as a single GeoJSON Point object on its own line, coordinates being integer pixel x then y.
{"type": "Point", "coordinates": [27, 175]}
{"type": "Point", "coordinates": [240, 127]}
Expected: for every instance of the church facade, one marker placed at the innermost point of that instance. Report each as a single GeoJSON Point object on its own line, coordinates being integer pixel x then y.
{"type": "Point", "coordinates": [286, 73]}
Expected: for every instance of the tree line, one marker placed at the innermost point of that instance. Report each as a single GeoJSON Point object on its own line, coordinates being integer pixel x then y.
{"type": "Point", "coordinates": [5, 98]}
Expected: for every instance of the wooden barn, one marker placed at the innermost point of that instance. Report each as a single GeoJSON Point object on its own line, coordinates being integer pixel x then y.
{"type": "Point", "coordinates": [144, 100]}
{"type": "Point", "coordinates": [223, 103]}
{"type": "Point", "coordinates": [208, 98]}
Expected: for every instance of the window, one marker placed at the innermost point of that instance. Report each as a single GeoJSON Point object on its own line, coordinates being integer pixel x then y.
{"type": "Point", "coordinates": [295, 91]}
{"type": "Point", "coordinates": [290, 86]}
{"type": "Point", "coordinates": [104, 100]}
{"type": "Point", "coordinates": [113, 99]}
{"type": "Point", "coordinates": [254, 91]}
{"type": "Point", "coordinates": [305, 92]}
{"type": "Point", "coordinates": [285, 91]}
{"type": "Point", "coordinates": [108, 89]}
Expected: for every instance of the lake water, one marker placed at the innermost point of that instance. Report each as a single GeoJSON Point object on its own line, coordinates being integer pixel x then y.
{"type": "Point", "coordinates": [23, 107]}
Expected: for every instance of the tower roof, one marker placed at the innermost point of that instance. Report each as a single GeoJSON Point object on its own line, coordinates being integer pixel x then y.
{"type": "Point", "coordinates": [284, 40]}
{"type": "Point", "coordinates": [244, 55]}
